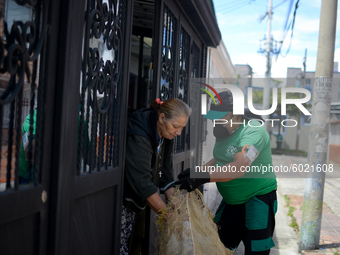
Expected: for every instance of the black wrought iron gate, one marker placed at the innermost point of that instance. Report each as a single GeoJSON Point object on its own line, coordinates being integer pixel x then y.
{"type": "Point", "coordinates": [62, 74]}
{"type": "Point", "coordinates": [64, 79]}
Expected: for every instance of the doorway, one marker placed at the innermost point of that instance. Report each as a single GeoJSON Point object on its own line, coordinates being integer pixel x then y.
{"type": "Point", "coordinates": [140, 85]}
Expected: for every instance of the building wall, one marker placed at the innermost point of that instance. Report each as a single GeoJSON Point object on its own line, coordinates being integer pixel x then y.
{"type": "Point", "coordinates": [221, 69]}
{"type": "Point", "coordinates": [294, 79]}
{"type": "Point", "coordinates": [221, 63]}
{"type": "Point", "coordinates": [334, 141]}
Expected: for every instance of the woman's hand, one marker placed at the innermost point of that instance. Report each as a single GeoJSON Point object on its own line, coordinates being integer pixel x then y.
{"type": "Point", "coordinates": [169, 192]}
{"type": "Point", "coordinates": [156, 203]}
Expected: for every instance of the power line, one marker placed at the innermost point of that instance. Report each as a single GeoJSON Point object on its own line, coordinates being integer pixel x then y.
{"type": "Point", "coordinates": [279, 4]}
{"type": "Point", "coordinates": [288, 14]}
{"type": "Point", "coordinates": [238, 7]}
{"type": "Point", "coordinates": [228, 4]}
{"type": "Point", "coordinates": [233, 6]}
{"type": "Point", "coordinates": [291, 24]}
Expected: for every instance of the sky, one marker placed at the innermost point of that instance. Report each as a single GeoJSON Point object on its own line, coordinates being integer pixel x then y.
{"type": "Point", "coordinates": [241, 33]}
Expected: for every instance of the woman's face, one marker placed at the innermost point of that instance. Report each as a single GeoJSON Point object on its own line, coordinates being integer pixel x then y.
{"type": "Point", "coordinates": [171, 128]}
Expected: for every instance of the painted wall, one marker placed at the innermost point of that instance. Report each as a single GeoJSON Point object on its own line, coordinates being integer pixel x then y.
{"type": "Point", "coordinates": [294, 79]}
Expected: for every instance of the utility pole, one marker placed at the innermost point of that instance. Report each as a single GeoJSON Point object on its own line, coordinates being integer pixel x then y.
{"type": "Point", "coordinates": [319, 129]}
{"type": "Point", "coordinates": [303, 83]}
{"type": "Point", "coordinates": [269, 50]}
{"type": "Point", "coordinates": [266, 90]}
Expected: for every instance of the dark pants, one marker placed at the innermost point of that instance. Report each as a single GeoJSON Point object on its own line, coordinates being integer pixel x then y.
{"type": "Point", "coordinates": [252, 222]}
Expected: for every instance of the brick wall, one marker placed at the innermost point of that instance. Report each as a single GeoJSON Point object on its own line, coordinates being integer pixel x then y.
{"type": "Point", "coordinates": [4, 154]}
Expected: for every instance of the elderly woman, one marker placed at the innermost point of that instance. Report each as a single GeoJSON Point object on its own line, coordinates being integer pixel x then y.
{"type": "Point", "coordinates": [148, 160]}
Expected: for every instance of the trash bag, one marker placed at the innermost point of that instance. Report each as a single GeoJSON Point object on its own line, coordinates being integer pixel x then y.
{"type": "Point", "coordinates": [186, 227]}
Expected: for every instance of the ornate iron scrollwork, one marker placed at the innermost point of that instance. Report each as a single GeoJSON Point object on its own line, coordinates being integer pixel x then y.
{"type": "Point", "coordinates": [167, 72]}
{"type": "Point", "coordinates": [102, 78]}
{"type": "Point", "coordinates": [165, 93]}
{"type": "Point", "coordinates": [195, 56]}
{"type": "Point", "coordinates": [22, 44]}
{"type": "Point", "coordinates": [20, 48]}
{"type": "Point", "coordinates": [167, 64]}
{"type": "Point", "coordinates": [168, 55]}
{"type": "Point", "coordinates": [184, 59]}
{"type": "Point", "coordinates": [182, 89]}
{"type": "Point", "coordinates": [182, 81]}
{"type": "Point", "coordinates": [101, 72]}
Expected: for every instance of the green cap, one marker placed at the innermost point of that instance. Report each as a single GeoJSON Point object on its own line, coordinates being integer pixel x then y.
{"type": "Point", "coordinates": [214, 115]}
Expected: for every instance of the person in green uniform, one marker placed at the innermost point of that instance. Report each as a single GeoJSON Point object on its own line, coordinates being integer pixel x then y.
{"type": "Point", "coordinates": [24, 176]}
{"type": "Point", "coordinates": [241, 169]}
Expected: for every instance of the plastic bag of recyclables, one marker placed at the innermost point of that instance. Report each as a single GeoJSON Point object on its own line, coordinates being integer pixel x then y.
{"type": "Point", "coordinates": [186, 227]}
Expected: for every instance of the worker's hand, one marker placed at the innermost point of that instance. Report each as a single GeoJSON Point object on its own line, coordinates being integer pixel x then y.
{"type": "Point", "coordinates": [190, 184]}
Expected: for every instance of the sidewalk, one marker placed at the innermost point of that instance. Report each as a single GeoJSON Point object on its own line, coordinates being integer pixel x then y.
{"type": "Point", "coordinates": [285, 238]}
{"type": "Point", "coordinates": [293, 188]}
{"type": "Point", "coordinates": [330, 227]}
{"type": "Point", "coordinates": [330, 224]}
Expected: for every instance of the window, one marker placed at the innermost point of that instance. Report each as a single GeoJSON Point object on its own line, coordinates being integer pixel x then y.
{"type": "Point", "coordinates": [309, 88]}
{"type": "Point", "coordinates": [13, 11]}
{"type": "Point", "coordinates": [305, 120]}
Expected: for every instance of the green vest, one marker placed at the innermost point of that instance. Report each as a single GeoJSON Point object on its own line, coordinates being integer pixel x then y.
{"type": "Point", "coordinates": [25, 129]}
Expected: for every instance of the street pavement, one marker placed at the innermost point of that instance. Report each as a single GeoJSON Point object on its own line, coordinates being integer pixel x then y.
{"type": "Point", "coordinates": [285, 237]}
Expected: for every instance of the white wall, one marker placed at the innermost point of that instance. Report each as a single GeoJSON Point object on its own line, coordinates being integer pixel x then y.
{"type": "Point", "coordinates": [219, 66]}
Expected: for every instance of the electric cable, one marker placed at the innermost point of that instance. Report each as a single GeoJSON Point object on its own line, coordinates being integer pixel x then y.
{"type": "Point", "coordinates": [241, 3]}
{"type": "Point", "coordinates": [290, 27]}
{"type": "Point", "coordinates": [279, 4]}
{"type": "Point", "coordinates": [288, 14]}
{"type": "Point", "coordinates": [228, 5]}
{"type": "Point", "coordinates": [240, 6]}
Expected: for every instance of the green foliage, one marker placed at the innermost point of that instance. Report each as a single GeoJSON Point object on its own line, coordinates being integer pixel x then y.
{"type": "Point", "coordinates": [257, 96]}
{"type": "Point", "coordinates": [287, 200]}
{"type": "Point", "coordinates": [294, 225]}
{"type": "Point", "coordinates": [291, 210]}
